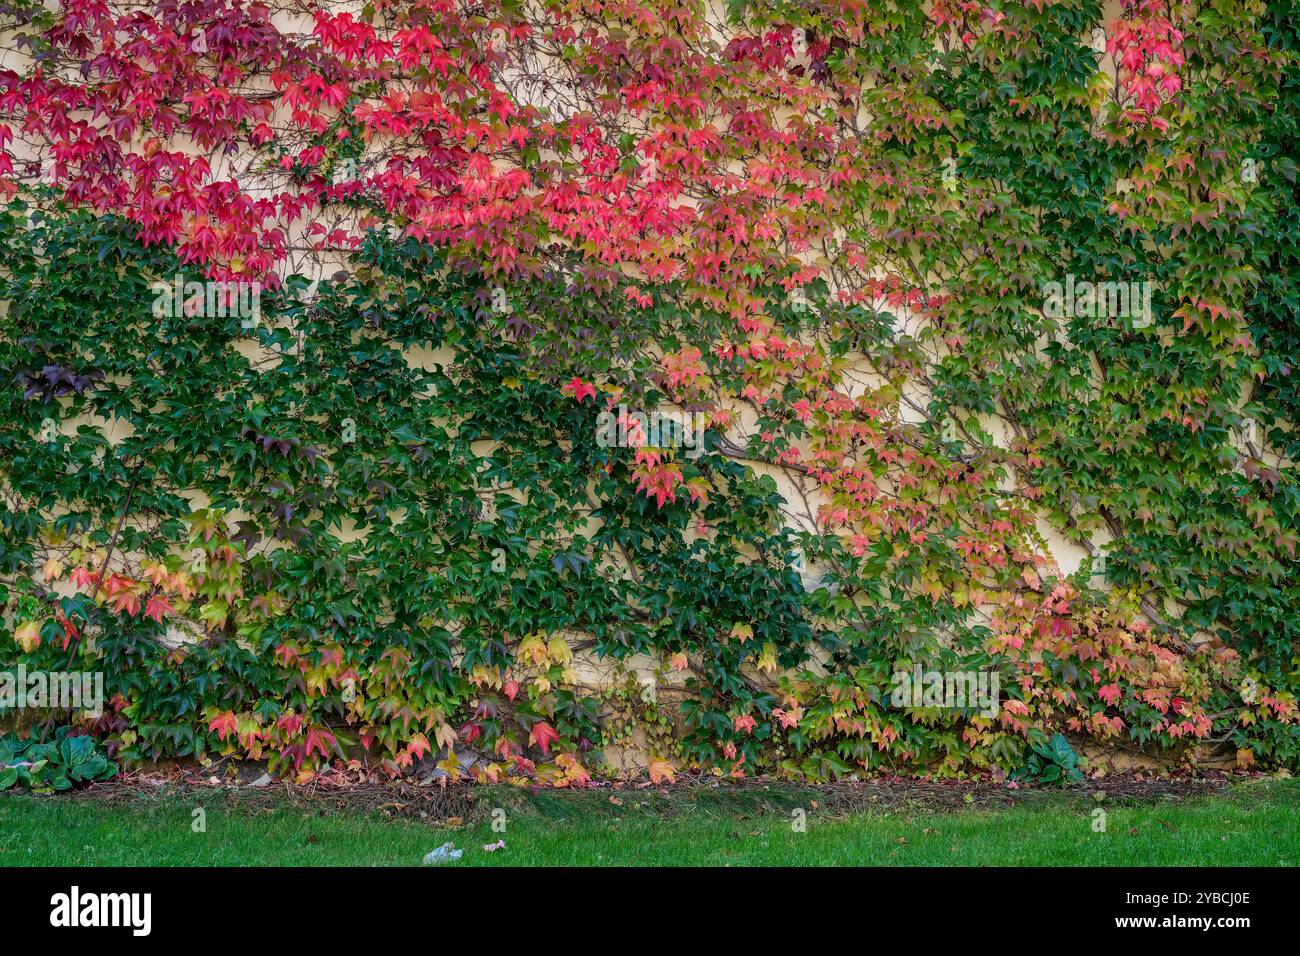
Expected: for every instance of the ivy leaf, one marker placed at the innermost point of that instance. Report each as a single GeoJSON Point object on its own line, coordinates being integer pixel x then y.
{"type": "Point", "coordinates": [543, 735]}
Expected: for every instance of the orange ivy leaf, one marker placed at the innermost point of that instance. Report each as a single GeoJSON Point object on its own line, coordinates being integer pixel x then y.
{"type": "Point", "coordinates": [661, 771]}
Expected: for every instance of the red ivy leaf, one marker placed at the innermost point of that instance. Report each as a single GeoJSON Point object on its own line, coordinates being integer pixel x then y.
{"type": "Point", "coordinates": [543, 734]}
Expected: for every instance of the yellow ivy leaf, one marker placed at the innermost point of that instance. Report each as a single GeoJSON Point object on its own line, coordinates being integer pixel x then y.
{"type": "Point", "coordinates": [450, 766]}
{"type": "Point", "coordinates": [445, 736]}
{"type": "Point", "coordinates": [533, 648]}
{"type": "Point", "coordinates": [318, 679]}
{"type": "Point", "coordinates": [28, 635]}
{"type": "Point", "coordinates": [559, 650]}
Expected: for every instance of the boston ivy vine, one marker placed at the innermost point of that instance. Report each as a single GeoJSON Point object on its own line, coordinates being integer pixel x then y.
{"type": "Point", "coordinates": [368, 513]}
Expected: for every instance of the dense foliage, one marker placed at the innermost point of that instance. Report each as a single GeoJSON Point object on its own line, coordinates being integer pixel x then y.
{"type": "Point", "coordinates": [374, 515]}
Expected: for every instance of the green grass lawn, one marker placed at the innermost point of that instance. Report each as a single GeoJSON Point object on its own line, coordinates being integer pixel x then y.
{"type": "Point", "coordinates": [1251, 825]}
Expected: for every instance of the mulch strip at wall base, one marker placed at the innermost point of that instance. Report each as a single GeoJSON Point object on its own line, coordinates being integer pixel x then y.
{"type": "Point", "coordinates": [708, 795]}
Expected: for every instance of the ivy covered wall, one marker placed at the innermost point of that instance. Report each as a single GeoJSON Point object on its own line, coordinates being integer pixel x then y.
{"type": "Point", "coordinates": [924, 296]}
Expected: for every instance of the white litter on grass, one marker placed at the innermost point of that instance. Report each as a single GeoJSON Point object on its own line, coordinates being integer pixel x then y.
{"type": "Point", "coordinates": [444, 854]}
{"type": "Point", "coordinates": [493, 847]}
